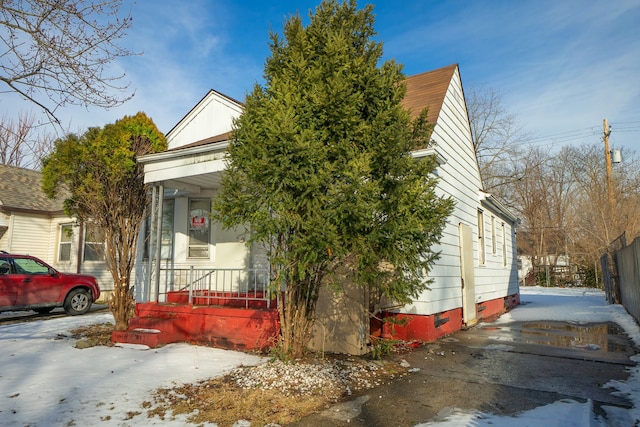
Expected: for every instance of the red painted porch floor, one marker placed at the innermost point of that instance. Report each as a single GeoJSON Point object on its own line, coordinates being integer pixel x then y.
{"type": "Point", "coordinates": [232, 325]}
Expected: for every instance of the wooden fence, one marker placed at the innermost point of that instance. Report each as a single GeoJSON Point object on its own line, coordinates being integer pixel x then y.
{"type": "Point", "coordinates": [627, 262]}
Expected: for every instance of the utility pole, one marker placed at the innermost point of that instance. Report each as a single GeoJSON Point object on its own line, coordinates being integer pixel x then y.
{"type": "Point", "coordinates": [607, 159]}
{"type": "Point", "coordinates": [613, 268]}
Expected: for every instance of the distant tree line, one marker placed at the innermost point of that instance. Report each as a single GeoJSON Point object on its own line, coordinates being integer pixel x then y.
{"type": "Point", "coordinates": [561, 195]}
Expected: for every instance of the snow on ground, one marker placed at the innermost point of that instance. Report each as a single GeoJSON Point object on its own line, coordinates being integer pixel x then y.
{"type": "Point", "coordinates": [45, 381]}
{"type": "Point", "coordinates": [580, 306]}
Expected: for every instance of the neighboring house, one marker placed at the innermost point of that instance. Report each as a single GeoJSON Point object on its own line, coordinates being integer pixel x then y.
{"type": "Point", "coordinates": [553, 270]}
{"type": "Point", "coordinates": [475, 277]}
{"type": "Point", "coordinates": [31, 223]}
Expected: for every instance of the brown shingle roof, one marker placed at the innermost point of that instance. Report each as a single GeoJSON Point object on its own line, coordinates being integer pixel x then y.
{"type": "Point", "coordinates": [428, 90]}
{"type": "Point", "coordinates": [21, 189]}
{"type": "Point", "coordinates": [211, 140]}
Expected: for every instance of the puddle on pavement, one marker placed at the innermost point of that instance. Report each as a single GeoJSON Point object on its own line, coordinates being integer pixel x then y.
{"type": "Point", "coordinates": [595, 337]}
{"type": "Point", "coordinates": [602, 337]}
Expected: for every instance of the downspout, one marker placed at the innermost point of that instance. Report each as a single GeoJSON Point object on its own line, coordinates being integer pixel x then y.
{"type": "Point", "coordinates": [80, 243]}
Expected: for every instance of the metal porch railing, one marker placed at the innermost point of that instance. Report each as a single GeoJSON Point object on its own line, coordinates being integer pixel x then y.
{"type": "Point", "coordinates": [206, 286]}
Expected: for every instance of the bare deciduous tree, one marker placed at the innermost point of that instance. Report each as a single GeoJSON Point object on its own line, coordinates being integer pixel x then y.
{"type": "Point", "coordinates": [599, 222]}
{"type": "Point", "coordinates": [20, 143]}
{"type": "Point", "coordinates": [544, 200]}
{"type": "Point", "coordinates": [560, 196]}
{"type": "Point", "coordinates": [497, 137]}
{"type": "Point", "coordinates": [58, 52]}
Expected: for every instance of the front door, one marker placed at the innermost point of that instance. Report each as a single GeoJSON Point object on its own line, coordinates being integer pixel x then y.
{"type": "Point", "coordinates": [467, 275]}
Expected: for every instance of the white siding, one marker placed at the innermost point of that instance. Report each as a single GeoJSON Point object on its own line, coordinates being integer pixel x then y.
{"type": "Point", "coordinates": [39, 235]}
{"type": "Point", "coordinates": [494, 279]}
{"type": "Point", "coordinates": [30, 234]}
{"type": "Point", "coordinates": [212, 116]}
{"type": "Point", "coordinates": [459, 179]}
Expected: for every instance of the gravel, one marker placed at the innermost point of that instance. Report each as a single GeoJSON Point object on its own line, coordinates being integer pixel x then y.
{"type": "Point", "coordinates": [333, 378]}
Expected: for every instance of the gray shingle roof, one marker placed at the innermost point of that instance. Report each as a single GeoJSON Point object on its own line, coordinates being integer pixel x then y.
{"type": "Point", "coordinates": [22, 189]}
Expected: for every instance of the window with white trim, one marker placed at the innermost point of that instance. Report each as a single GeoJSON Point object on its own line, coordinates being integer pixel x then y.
{"type": "Point", "coordinates": [166, 251]}
{"type": "Point", "coordinates": [199, 228]}
{"type": "Point", "coordinates": [494, 243]}
{"type": "Point", "coordinates": [504, 246]}
{"type": "Point", "coordinates": [64, 242]}
{"type": "Point", "coordinates": [93, 243]}
{"type": "Point", "coordinates": [481, 255]}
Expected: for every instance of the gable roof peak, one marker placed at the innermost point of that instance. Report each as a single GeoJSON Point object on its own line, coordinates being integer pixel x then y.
{"type": "Point", "coordinates": [209, 94]}
{"type": "Point", "coordinates": [428, 90]}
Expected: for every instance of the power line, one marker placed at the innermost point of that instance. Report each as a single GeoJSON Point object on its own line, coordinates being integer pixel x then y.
{"type": "Point", "coordinates": [579, 134]}
{"type": "Point", "coordinates": [626, 123]}
{"type": "Point", "coordinates": [569, 133]}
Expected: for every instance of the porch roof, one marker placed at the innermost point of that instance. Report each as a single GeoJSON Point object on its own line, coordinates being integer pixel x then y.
{"type": "Point", "coordinates": [189, 169]}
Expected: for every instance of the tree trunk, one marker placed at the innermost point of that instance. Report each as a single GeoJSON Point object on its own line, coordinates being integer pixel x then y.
{"type": "Point", "coordinates": [121, 305]}
{"type": "Point", "coordinates": [297, 313]}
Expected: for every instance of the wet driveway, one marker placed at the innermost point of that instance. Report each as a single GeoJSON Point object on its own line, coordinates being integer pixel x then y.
{"type": "Point", "coordinates": [502, 368]}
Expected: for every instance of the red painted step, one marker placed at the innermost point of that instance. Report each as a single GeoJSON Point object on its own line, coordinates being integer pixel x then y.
{"type": "Point", "coordinates": [225, 327]}
{"type": "Point", "coordinates": [150, 338]}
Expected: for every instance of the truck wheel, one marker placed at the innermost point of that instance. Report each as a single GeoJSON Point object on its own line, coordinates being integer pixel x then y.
{"type": "Point", "coordinates": [77, 302]}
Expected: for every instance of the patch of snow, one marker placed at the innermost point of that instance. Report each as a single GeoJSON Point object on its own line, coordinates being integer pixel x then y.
{"type": "Point", "coordinates": [45, 381]}
{"type": "Point", "coordinates": [563, 413]}
{"type": "Point", "coordinates": [150, 331]}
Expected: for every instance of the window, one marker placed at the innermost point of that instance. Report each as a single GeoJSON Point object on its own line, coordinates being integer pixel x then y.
{"type": "Point", "coordinates": [30, 266]}
{"type": "Point", "coordinates": [494, 245]}
{"type": "Point", "coordinates": [5, 266]}
{"type": "Point", "coordinates": [64, 245]}
{"type": "Point", "coordinates": [166, 252]}
{"type": "Point", "coordinates": [93, 243]}
{"type": "Point", "coordinates": [480, 237]}
{"type": "Point", "coordinates": [199, 213]}
{"type": "Point", "coordinates": [504, 246]}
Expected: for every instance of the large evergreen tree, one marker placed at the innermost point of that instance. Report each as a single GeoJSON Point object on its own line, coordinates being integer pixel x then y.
{"type": "Point", "coordinates": [107, 189]}
{"type": "Point", "coordinates": [320, 169]}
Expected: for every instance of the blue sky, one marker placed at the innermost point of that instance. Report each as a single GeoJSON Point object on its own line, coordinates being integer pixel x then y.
{"type": "Point", "coordinates": [562, 66]}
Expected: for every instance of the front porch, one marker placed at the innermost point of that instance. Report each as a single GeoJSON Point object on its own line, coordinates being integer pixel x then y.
{"type": "Point", "coordinates": [196, 281]}
{"type": "Point", "coordinates": [226, 308]}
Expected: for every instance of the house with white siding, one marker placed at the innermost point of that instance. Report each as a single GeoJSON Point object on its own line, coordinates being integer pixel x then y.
{"type": "Point", "coordinates": [190, 258]}
{"type": "Point", "coordinates": [33, 224]}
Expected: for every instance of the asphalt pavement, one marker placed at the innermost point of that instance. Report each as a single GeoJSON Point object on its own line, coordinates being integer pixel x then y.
{"type": "Point", "coordinates": [501, 369]}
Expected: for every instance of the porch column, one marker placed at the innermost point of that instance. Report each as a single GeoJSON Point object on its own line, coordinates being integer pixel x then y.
{"type": "Point", "coordinates": [146, 294]}
{"type": "Point", "coordinates": [158, 247]}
